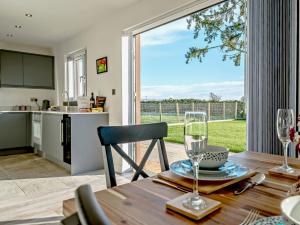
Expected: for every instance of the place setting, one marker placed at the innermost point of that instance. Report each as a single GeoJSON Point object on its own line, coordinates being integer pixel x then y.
{"type": "Point", "coordinates": [206, 164]}
{"type": "Point", "coordinates": [209, 169]}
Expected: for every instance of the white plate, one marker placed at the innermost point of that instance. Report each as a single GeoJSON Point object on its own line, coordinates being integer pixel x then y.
{"type": "Point", "coordinates": [223, 169]}
{"type": "Point", "coordinates": [290, 207]}
{"type": "Point", "coordinates": [181, 169]}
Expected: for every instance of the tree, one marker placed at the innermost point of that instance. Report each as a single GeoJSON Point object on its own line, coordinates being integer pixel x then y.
{"type": "Point", "coordinates": [243, 99]}
{"type": "Point", "coordinates": [214, 98]}
{"type": "Point", "coordinates": [224, 29]}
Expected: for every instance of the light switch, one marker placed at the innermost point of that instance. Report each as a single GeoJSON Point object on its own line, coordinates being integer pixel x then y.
{"type": "Point", "coordinates": [113, 91]}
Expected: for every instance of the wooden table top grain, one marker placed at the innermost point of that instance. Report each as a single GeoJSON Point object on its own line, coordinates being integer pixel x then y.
{"type": "Point", "coordinates": [143, 202]}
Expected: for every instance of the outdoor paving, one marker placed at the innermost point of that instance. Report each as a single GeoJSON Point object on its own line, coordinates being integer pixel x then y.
{"type": "Point", "coordinates": [175, 152]}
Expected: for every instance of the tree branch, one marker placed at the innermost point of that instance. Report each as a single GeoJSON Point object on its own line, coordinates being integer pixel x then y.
{"type": "Point", "coordinates": [225, 12]}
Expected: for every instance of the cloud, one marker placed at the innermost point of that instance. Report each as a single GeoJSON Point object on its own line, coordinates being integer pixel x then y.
{"type": "Point", "coordinates": [227, 89]}
{"type": "Point", "coordinates": [165, 34]}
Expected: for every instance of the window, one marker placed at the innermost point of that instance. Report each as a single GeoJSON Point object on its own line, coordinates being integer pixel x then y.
{"type": "Point", "coordinates": [75, 79]}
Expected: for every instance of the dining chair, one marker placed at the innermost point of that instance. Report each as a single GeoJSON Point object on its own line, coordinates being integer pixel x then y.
{"type": "Point", "coordinates": [89, 212]}
{"type": "Point", "coordinates": [112, 136]}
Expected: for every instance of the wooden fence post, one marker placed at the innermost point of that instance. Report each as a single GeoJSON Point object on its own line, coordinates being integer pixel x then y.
{"type": "Point", "coordinates": [177, 111]}
{"type": "Point", "coordinates": [224, 110]}
{"type": "Point", "coordinates": [193, 106]}
{"type": "Point", "coordinates": [208, 111]}
{"type": "Point", "coordinates": [160, 112]}
{"type": "Point", "coordinates": [236, 110]}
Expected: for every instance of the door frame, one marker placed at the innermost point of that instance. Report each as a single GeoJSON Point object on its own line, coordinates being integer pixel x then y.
{"type": "Point", "coordinates": [131, 35]}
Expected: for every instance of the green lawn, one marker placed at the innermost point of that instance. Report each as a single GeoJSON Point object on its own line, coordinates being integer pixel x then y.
{"type": "Point", "coordinates": [230, 134]}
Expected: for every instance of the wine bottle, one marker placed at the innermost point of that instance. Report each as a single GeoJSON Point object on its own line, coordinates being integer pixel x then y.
{"type": "Point", "coordinates": [92, 101]}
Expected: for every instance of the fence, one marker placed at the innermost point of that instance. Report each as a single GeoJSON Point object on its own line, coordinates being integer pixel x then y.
{"type": "Point", "coordinates": [174, 112]}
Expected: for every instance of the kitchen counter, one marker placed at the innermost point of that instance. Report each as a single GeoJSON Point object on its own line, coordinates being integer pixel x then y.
{"type": "Point", "coordinates": [9, 111]}
{"type": "Point", "coordinates": [68, 139]}
{"type": "Point", "coordinates": [71, 113]}
{"type": "Point", "coordinates": [54, 112]}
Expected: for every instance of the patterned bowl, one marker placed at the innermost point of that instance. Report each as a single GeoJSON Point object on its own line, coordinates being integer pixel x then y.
{"type": "Point", "coordinates": [214, 157]}
{"type": "Point", "coordinates": [290, 208]}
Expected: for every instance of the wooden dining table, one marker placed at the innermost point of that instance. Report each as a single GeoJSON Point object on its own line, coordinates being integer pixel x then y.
{"type": "Point", "coordinates": [144, 201]}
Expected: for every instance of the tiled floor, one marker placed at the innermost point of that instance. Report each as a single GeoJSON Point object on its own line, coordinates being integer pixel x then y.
{"type": "Point", "coordinates": [175, 152]}
{"type": "Point", "coordinates": [32, 189]}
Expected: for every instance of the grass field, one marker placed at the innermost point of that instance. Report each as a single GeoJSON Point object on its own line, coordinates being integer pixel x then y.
{"type": "Point", "coordinates": [230, 134]}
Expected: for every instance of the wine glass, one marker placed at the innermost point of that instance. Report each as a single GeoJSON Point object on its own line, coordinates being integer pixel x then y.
{"type": "Point", "coordinates": [285, 121]}
{"type": "Point", "coordinates": [195, 141]}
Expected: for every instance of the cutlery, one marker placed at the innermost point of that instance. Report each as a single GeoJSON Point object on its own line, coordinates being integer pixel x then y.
{"type": "Point", "coordinates": [253, 181]}
{"type": "Point", "coordinates": [180, 188]}
{"type": "Point", "coordinates": [251, 217]}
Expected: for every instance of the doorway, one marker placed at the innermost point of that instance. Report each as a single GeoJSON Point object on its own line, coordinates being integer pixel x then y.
{"type": "Point", "coordinates": [194, 63]}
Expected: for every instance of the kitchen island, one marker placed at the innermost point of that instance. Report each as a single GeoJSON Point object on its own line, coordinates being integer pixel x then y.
{"type": "Point", "coordinates": [71, 140]}
{"type": "Point", "coordinates": [68, 139]}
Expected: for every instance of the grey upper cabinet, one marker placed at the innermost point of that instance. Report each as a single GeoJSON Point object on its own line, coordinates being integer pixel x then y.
{"type": "Point", "coordinates": [28, 70]}
{"type": "Point", "coordinates": [38, 71]}
{"type": "Point", "coordinates": [11, 68]}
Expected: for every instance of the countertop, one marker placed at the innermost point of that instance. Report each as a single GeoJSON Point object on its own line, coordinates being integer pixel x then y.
{"type": "Point", "coordinates": [54, 112]}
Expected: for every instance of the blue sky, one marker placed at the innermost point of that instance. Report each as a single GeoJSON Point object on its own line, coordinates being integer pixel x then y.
{"type": "Point", "coordinates": [165, 74]}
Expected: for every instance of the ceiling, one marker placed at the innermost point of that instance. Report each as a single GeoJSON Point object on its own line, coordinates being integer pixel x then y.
{"type": "Point", "coordinates": [52, 21]}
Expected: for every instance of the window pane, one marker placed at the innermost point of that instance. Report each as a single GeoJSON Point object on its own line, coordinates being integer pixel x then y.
{"type": "Point", "coordinates": [81, 77]}
{"type": "Point", "coordinates": [71, 79]}
{"type": "Point", "coordinates": [76, 75]}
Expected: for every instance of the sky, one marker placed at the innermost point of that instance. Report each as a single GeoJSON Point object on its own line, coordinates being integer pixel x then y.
{"type": "Point", "coordinates": [165, 74]}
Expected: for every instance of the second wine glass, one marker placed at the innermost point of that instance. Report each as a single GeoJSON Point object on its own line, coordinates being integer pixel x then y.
{"type": "Point", "coordinates": [285, 122]}
{"type": "Point", "coordinates": [195, 142]}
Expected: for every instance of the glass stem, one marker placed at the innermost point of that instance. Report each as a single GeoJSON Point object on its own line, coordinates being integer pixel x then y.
{"type": "Point", "coordinates": [285, 149]}
{"type": "Point", "coordinates": [195, 183]}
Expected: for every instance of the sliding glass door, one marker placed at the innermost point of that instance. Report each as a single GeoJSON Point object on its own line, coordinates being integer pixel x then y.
{"type": "Point", "coordinates": [194, 63]}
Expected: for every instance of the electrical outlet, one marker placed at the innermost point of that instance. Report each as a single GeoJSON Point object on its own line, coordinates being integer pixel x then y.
{"type": "Point", "coordinates": [113, 91]}
{"type": "Point", "coordinates": [33, 99]}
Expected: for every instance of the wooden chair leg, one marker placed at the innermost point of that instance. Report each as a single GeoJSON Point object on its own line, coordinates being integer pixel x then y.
{"type": "Point", "coordinates": [109, 168]}
{"type": "Point", "coordinates": [164, 164]}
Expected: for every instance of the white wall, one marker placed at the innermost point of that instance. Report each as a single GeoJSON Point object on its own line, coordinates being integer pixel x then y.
{"type": "Point", "coordinates": [104, 39]}
{"type": "Point", "coordinates": [21, 96]}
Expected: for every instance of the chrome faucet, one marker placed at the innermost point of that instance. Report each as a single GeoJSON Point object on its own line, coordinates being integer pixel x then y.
{"type": "Point", "coordinates": [66, 93]}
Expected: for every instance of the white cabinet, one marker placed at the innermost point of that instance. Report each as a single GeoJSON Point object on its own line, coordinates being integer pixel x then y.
{"type": "Point", "coordinates": [52, 137]}
{"type": "Point", "coordinates": [83, 143]}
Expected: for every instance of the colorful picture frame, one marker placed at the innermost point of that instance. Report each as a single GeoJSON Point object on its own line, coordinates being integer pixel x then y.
{"type": "Point", "coordinates": [101, 65]}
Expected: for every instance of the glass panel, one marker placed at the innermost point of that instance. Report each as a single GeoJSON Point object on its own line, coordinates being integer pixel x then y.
{"type": "Point", "coordinates": [189, 65]}
{"type": "Point", "coordinates": [76, 76]}
{"type": "Point", "coordinates": [80, 77]}
{"type": "Point", "coordinates": [71, 79]}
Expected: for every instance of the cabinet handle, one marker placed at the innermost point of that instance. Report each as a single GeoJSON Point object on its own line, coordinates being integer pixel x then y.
{"type": "Point", "coordinates": [61, 132]}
